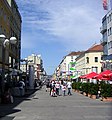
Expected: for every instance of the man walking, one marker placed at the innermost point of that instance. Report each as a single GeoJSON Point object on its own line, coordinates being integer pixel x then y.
{"type": "Point", "coordinates": [69, 86]}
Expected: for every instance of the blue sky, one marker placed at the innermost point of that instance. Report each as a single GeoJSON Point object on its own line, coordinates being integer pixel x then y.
{"type": "Point", "coordinates": [54, 28]}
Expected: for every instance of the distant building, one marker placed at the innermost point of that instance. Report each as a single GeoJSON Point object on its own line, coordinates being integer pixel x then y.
{"type": "Point", "coordinates": [89, 61]}
{"type": "Point", "coordinates": [37, 62]}
{"type": "Point", "coordinates": [66, 68]}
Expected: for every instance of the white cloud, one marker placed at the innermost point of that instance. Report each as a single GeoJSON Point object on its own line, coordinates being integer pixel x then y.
{"type": "Point", "coordinates": [68, 20]}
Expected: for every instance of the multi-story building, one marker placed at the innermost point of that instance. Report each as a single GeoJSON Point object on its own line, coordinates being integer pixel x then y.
{"type": "Point", "coordinates": [10, 26]}
{"type": "Point", "coordinates": [35, 61]}
{"type": "Point", "coordinates": [106, 31]}
{"type": "Point", "coordinates": [66, 68]}
{"type": "Point", "coordinates": [90, 60]}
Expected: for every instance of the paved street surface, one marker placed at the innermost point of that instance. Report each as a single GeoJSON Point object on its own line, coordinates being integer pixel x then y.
{"type": "Point", "coordinates": [40, 106]}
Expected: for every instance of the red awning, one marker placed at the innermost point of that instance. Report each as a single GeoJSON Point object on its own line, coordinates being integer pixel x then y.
{"type": "Point", "coordinates": [83, 76]}
{"type": "Point", "coordinates": [91, 75]}
{"type": "Point", "coordinates": [105, 78]}
{"type": "Point", "coordinates": [110, 75]}
{"type": "Point", "coordinates": [88, 76]}
{"type": "Point", "coordinates": [103, 75]}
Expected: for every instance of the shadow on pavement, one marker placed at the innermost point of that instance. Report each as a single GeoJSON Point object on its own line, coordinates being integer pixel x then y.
{"type": "Point", "coordinates": [6, 109]}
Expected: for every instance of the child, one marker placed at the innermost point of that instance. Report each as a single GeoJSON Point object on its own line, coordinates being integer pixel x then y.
{"type": "Point", "coordinates": [64, 89]}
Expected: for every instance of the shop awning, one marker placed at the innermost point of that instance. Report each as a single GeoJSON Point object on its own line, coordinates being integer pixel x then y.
{"type": "Point", "coordinates": [91, 75]}
{"type": "Point", "coordinates": [107, 74]}
{"type": "Point", "coordinates": [82, 77]}
{"type": "Point", "coordinates": [103, 75]}
{"type": "Point", "coordinates": [110, 75]}
{"type": "Point", "coordinates": [88, 76]}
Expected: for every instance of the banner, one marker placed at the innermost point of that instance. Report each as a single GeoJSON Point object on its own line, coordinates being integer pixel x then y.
{"type": "Point", "coordinates": [105, 4]}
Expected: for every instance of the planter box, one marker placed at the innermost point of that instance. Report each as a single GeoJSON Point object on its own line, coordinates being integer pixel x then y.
{"type": "Point", "coordinates": [77, 91]}
{"type": "Point", "coordinates": [89, 95]}
{"type": "Point", "coordinates": [93, 96]}
{"type": "Point", "coordinates": [84, 93]}
{"type": "Point", "coordinates": [74, 90]}
{"type": "Point", "coordinates": [108, 99]}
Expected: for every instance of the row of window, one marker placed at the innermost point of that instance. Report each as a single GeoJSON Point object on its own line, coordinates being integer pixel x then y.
{"type": "Point", "coordinates": [110, 31]}
{"type": "Point", "coordinates": [109, 18]}
{"type": "Point", "coordinates": [95, 59]}
{"type": "Point", "coordinates": [10, 20]}
{"type": "Point", "coordinates": [4, 15]}
{"type": "Point", "coordinates": [110, 45]}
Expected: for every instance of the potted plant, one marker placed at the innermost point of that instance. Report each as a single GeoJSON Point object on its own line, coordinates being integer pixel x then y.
{"type": "Point", "coordinates": [106, 92]}
{"type": "Point", "coordinates": [85, 88]}
{"type": "Point", "coordinates": [94, 90]}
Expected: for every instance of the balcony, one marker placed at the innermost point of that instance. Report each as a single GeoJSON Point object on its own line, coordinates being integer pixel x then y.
{"type": "Point", "coordinates": [103, 41]}
{"type": "Point", "coordinates": [103, 29]}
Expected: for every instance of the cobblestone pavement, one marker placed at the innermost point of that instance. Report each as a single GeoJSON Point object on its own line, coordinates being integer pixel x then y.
{"type": "Point", "coordinates": [41, 106]}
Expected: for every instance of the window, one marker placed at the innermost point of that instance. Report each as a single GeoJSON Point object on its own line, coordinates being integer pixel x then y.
{"type": "Point", "coordinates": [87, 59]}
{"type": "Point", "coordinates": [96, 59]}
{"type": "Point", "coordinates": [101, 57]}
{"type": "Point", "coordinates": [94, 69]}
{"type": "Point", "coordinates": [110, 31]}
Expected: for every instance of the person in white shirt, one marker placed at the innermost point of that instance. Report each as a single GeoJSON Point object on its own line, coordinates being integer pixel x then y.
{"type": "Point", "coordinates": [57, 85]}
{"type": "Point", "coordinates": [21, 87]}
{"type": "Point", "coordinates": [69, 86]}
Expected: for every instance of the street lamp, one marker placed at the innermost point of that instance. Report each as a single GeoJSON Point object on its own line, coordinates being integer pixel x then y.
{"type": "Point", "coordinates": [26, 62]}
{"type": "Point", "coordinates": [5, 43]}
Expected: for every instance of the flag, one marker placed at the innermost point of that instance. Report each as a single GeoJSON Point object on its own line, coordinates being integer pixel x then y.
{"type": "Point", "coordinates": [105, 4]}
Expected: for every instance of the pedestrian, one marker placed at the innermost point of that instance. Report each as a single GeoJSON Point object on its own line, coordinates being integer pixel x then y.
{"type": "Point", "coordinates": [63, 89]}
{"type": "Point", "coordinates": [47, 85]}
{"type": "Point", "coordinates": [53, 89]}
{"type": "Point", "coordinates": [69, 86]}
{"type": "Point", "coordinates": [57, 85]}
{"type": "Point", "coordinates": [50, 86]}
{"type": "Point", "coordinates": [21, 87]}
{"type": "Point", "coordinates": [8, 98]}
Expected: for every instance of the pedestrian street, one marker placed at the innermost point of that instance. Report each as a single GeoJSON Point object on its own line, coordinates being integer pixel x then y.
{"type": "Point", "coordinates": [41, 106]}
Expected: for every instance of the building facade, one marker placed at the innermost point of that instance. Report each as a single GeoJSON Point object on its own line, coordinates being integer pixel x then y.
{"type": "Point", "coordinates": [90, 61]}
{"type": "Point", "coordinates": [10, 26]}
{"type": "Point", "coordinates": [66, 68]}
{"type": "Point", "coordinates": [35, 61]}
{"type": "Point", "coordinates": [106, 31]}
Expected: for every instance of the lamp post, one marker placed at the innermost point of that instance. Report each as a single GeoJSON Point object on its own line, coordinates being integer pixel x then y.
{"type": "Point", "coordinates": [26, 63]}
{"type": "Point", "coordinates": [5, 43]}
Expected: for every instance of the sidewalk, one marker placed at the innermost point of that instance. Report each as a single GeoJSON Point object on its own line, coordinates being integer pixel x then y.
{"type": "Point", "coordinates": [6, 109]}
{"type": "Point", "coordinates": [41, 106]}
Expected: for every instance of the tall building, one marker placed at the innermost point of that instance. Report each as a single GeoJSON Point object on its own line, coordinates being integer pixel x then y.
{"type": "Point", "coordinates": [10, 26]}
{"type": "Point", "coordinates": [106, 31]}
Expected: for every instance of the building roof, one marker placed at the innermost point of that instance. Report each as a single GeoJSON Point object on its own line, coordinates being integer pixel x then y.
{"type": "Point", "coordinates": [74, 53]}
{"type": "Point", "coordinates": [95, 48]}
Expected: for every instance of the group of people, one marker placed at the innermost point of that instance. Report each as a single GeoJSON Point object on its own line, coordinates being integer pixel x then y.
{"type": "Point", "coordinates": [58, 88]}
